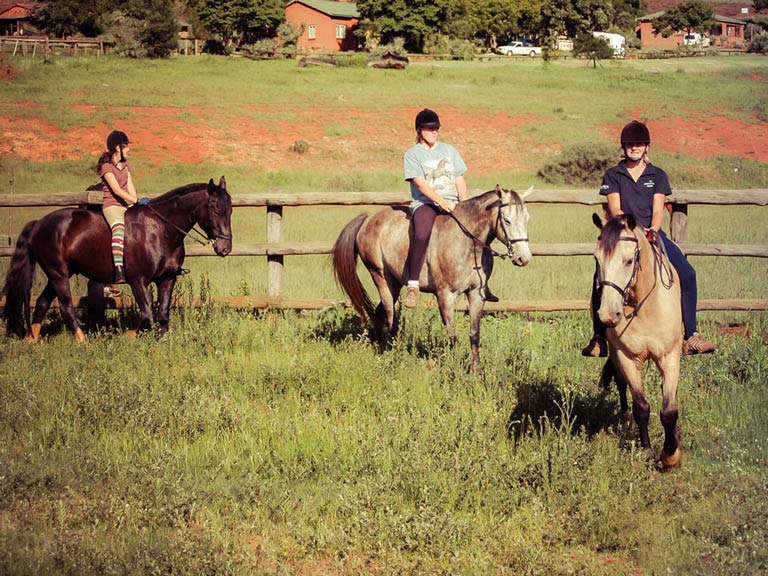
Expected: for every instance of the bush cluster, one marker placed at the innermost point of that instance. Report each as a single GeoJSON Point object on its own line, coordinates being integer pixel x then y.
{"type": "Point", "coordinates": [579, 164]}
{"type": "Point", "coordinates": [759, 44]}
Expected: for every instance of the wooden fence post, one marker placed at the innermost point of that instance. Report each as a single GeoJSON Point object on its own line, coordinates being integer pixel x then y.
{"type": "Point", "coordinates": [275, 262]}
{"type": "Point", "coordinates": [678, 223]}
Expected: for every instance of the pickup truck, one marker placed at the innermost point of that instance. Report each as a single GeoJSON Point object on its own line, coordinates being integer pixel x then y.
{"type": "Point", "coordinates": [519, 49]}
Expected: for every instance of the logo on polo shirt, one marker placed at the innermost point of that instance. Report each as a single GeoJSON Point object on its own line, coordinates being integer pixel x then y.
{"type": "Point", "coordinates": [649, 184]}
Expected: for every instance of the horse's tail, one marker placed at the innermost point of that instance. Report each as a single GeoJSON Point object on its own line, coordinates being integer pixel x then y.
{"type": "Point", "coordinates": [345, 268]}
{"type": "Point", "coordinates": [18, 285]}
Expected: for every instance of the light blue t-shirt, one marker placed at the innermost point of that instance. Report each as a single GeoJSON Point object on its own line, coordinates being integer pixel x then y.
{"type": "Point", "coordinates": [440, 167]}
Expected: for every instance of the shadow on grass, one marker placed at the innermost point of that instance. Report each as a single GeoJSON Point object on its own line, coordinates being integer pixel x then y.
{"type": "Point", "coordinates": [540, 402]}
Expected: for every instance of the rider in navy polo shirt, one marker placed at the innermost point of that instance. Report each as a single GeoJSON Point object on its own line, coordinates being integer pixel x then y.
{"type": "Point", "coordinates": [637, 187]}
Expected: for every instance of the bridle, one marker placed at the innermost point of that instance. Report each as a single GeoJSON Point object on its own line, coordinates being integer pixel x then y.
{"type": "Point", "coordinates": [207, 239]}
{"type": "Point", "coordinates": [508, 242]}
{"type": "Point", "coordinates": [659, 259]}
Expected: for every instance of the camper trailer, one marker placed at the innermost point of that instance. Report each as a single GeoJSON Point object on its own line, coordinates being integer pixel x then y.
{"type": "Point", "coordinates": [616, 41]}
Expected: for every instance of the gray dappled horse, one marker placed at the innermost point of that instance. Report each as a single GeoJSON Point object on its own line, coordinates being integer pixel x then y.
{"type": "Point", "coordinates": [459, 258]}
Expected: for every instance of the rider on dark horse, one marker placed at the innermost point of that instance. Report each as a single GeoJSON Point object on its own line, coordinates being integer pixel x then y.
{"type": "Point", "coordinates": [119, 194]}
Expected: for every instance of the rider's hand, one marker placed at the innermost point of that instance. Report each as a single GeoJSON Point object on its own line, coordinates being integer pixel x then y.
{"type": "Point", "coordinates": [651, 235]}
{"type": "Point", "coordinates": [143, 201]}
{"type": "Point", "coordinates": [448, 206]}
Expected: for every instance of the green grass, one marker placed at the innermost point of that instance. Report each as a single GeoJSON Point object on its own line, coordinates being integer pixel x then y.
{"type": "Point", "coordinates": [284, 444]}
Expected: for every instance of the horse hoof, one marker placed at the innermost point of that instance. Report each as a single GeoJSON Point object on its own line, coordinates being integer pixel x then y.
{"type": "Point", "coordinates": [672, 461]}
{"type": "Point", "coordinates": [132, 333]}
{"type": "Point", "coordinates": [79, 336]}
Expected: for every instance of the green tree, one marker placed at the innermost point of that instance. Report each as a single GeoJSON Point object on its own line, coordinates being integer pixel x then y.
{"type": "Point", "coordinates": [690, 16]}
{"type": "Point", "coordinates": [572, 17]}
{"type": "Point", "coordinates": [593, 48]}
{"type": "Point", "coordinates": [240, 21]}
{"type": "Point", "coordinates": [62, 18]}
{"type": "Point", "coordinates": [411, 20]}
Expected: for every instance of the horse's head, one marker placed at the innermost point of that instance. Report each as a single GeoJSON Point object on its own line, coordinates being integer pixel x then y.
{"type": "Point", "coordinates": [511, 225]}
{"type": "Point", "coordinates": [216, 218]}
{"type": "Point", "coordinates": [618, 261]}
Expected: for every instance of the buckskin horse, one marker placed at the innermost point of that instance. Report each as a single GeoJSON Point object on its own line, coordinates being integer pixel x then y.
{"type": "Point", "coordinates": [640, 305]}
{"type": "Point", "coordinates": [459, 258]}
{"type": "Point", "coordinates": [77, 241]}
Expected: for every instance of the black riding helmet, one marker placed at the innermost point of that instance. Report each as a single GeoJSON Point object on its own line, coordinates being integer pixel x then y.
{"type": "Point", "coordinates": [427, 118]}
{"type": "Point", "coordinates": [117, 138]}
{"type": "Point", "coordinates": [635, 133]}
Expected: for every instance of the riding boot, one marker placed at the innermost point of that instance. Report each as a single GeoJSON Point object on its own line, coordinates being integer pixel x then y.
{"type": "Point", "coordinates": [490, 296]}
{"type": "Point", "coordinates": [119, 274]}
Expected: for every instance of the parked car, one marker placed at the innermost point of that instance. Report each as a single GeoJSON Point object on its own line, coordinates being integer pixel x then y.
{"type": "Point", "coordinates": [517, 48]}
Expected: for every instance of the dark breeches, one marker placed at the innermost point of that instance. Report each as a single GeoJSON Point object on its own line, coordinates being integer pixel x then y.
{"type": "Point", "coordinates": [422, 220]}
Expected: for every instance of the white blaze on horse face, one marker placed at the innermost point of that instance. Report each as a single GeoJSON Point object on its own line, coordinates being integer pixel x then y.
{"type": "Point", "coordinates": [515, 223]}
{"type": "Point", "coordinates": [618, 269]}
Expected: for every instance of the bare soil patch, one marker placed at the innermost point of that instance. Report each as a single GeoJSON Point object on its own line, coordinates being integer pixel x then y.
{"type": "Point", "coordinates": [343, 138]}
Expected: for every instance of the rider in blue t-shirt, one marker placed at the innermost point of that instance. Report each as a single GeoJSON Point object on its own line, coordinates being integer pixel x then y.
{"type": "Point", "coordinates": [435, 171]}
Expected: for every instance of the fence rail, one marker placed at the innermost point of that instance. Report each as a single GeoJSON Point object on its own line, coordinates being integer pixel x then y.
{"type": "Point", "coordinates": [275, 249]}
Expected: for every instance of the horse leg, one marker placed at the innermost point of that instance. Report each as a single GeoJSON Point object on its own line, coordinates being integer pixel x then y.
{"type": "Point", "coordinates": [669, 367]}
{"type": "Point", "coordinates": [609, 373]}
{"type": "Point", "coordinates": [164, 293]}
{"type": "Point", "coordinates": [641, 410]}
{"type": "Point", "coordinates": [42, 305]}
{"type": "Point", "coordinates": [446, 301]}
{"type": "Point", "coordinates": [476, 303]}
{"type": "Point", "coordinates": [60, 286]}
{"type": "Point", "coordinates": [141, 294]}
{"type": "Point", "coordinates": [385, 311]}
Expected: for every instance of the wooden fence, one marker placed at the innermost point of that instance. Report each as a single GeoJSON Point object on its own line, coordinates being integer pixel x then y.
{"type": "Point", "coordinates": [275, 249]}
{"type": "Point", "coordinates": [45, 47]}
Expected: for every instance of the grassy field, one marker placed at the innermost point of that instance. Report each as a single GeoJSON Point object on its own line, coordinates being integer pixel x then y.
{"type": "Point", "coordinates": [281, 443]}
{"type": "Point", "coordinates": [285, 444]}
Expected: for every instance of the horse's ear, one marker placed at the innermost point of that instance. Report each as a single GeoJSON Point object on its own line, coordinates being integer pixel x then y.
{"type": "Point", "coordinates": [631, 222]}
{"type": "Point", "coordinates": [223, 184]}
{"type": "Point", "coordinates": [527, 193]}
{"type": "Point", "coordinates": [499, 190]}
{"type": "Point", "coordinates": [598, 220]}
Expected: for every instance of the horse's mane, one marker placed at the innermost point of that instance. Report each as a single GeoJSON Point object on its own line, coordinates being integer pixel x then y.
{"type": "Point", "coordinates": [490, 199]}
{"type": "Point", "coordinates": [611, 232]}
{"type": "Point", "coordinates": [180, 191]}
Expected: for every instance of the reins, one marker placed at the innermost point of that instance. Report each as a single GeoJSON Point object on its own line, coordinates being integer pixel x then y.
{"type": "Point", "coordinates": [508, 242]}
{"type": "Point", "coordinates": [207, 240]}
{"type": "Point", "coordinates": [661, 265]}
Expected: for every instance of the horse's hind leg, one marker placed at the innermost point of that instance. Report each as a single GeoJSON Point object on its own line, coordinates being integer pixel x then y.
{"type": "Point", "coordinates": [385, 312]}
{"type": "Point", "coordinates": [42, 305]}
{"type": "Point", "coordinates": [609, 373]}
{"type": "Point", "coordinates": [60, 287]}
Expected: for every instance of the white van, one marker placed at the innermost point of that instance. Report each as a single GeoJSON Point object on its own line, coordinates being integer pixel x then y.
{"type": "Point", "coordinates": [615, 41]}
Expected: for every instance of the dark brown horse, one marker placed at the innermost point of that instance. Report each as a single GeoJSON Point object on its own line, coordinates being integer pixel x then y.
{"type": "Point", "coordinates": [77, 241]}
{"type": "Point", "coordinates": [459, 258]}
{"type": "Point", "coordinates": [640, 305]}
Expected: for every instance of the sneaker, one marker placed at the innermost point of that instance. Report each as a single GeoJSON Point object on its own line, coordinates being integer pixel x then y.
{"type": "Point", "coordinates": [490, 296]}
{"type": "Point", "coordinates": [597, 348]}
{"type": "Point", "coordinates": [411, 297]}
{"type": "Point", "coordinates": [697, 345]}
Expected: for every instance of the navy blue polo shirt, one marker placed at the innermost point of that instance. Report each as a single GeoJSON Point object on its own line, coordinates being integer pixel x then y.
{"type": "Point", "coordinates": [636, 197]}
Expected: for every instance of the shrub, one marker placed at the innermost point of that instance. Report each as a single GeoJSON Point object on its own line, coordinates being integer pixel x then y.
{"type": "Point", "coordinates": [579, 164]}
{"type": "Point", "coordinates": [759, 44]}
